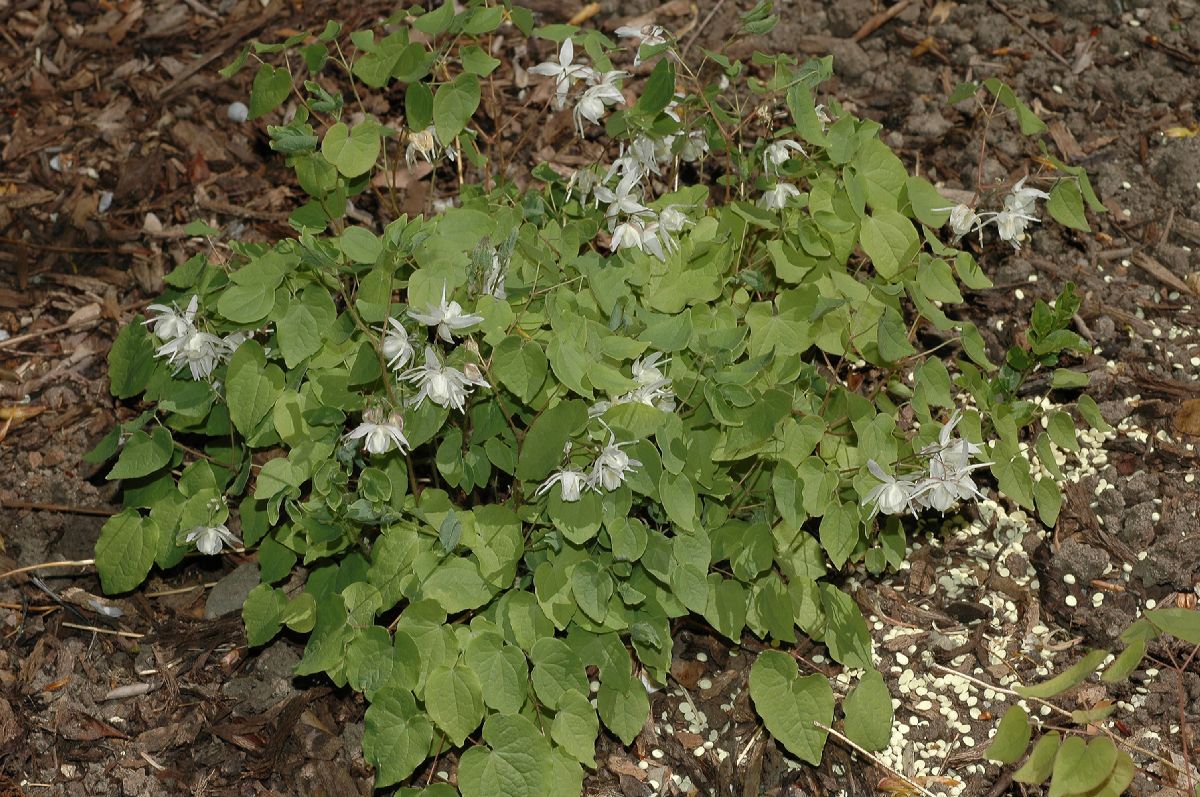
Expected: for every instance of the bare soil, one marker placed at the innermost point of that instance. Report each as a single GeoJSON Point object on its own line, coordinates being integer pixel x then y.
{"type": "Point", "coordinates": [123, 98]}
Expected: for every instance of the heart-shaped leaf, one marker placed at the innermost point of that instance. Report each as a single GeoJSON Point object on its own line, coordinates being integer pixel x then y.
{"type": "Point", "coordinates": [790, 706]}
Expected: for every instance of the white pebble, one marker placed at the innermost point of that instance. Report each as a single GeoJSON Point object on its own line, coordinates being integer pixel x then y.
{"type": "Point", "coordinates": [237, 112]}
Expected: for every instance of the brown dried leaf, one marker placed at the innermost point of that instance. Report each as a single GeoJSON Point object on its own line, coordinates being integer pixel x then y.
{"type": "Point", "coordinates": [1187, 418]}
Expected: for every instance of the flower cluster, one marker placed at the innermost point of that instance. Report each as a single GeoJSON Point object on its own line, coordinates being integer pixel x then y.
{"type": "Point", "coordinates": [946, 480]}
{"type": "Point", "coordinates": [775, 155]}
{"type": "Point", "coordinates": [435, 380]}
{"type": "Point", "coordinates": [653, 388]}
{"type": "Point", "coordinates": [607, 471]}
{"type": "Point", "coordinates": [1011, 220]}
{"type": "Point", "coordinates": [186, 346]}
{"type": "Point", "coordinates": [631, 224]}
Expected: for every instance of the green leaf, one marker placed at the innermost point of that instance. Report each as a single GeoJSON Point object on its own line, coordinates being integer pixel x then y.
{"type": "Point", "coordinates": [456, 585]}
{"type": "Point", "coordinates": [262, 613]}
{"type": "Point", "coordinates": [252, 387]}
{"type": "Point", "coordinates": [454, 700]}
{"type": "Point", "coordinates": [890, 240]}
{"type": "Point", "coordinates": [1012, 737]}
{"type": "Point", "coordinates": [592, 588]}
{"type": "Point", "coordinates": [1125, 663]}
{"type": "Point", "coordinates": [1041, 761]}
{"type": "Point", "coordinates": [453, 105]}
{"type": "Point", "coordinates": [521, 366]}
{"type": "Point", "coordinates": [846, 635]}
{"type": "Point", "coordinates": [678, 497]}
{"type": "Point", "coordinates": [1180, 623]}
{"type": "Point", "coordinates": [1065, 205]}
{"type": "Point", "coordinates": [517, 761]}
{"type": "Point", "coordinates": [839, 533]}
{"type": "Point", "coordinates": [125, 551]}
{"type": "Point", "coordinates": [301, 328]}
{"type": "Point", "coordinates": [790, 705]}
{"type": "Point", "coordinates": [883, 173]}
{"type": "Point", "coordinates": [1067, 678]}
{"type": "Point", "coordinates": [542, 449]}
{"type": "Point", "coordinates": [659, 89]}
{"type": "Point", "coordinates": [437, 21]}
{"type": "Point", "coordinates": [868, 710]}
{"type": "Point", "coordinates": [1066, 379]}
{"type": "Point", "coordinates": [576, 727]}
{"type": "Point", "coordinates": [502, 667]}
{"type": "Point", "coordinates": [396, 736]}
{"type": "Point", "coordinates": [1082, 766]}
{"type": "Point", "coordinates": [143, 454]}
{"type": "Point", "coordinates": [928, 206]}
{"type": "Point", "coordinates": [1049, 499]}
{"type": "Point", "coordinates": [353, 153]}
{"type": "Point", "coordinates": [246, 304]}
{"type": "Point", "coordinates": [131, 360]}
{"type": "Point", "coordinates": [271, 87]}
{"type": "Point", "coordinates": [623, 705]}
{"type": "Point", "coordinates": [478, 62]}
{"type": "Point", "coordinates": [557, 670]}
{"type": "Point", "coordinates": [1090, 412]}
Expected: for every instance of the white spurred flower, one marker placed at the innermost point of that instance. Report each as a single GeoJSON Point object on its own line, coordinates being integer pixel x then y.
{"type": "Point", "coordinates": [442, 384]}
{"type": "Point", "coordinates": [379, 437]}
{"type": "Point", "coordinates": [448, 317]}
{"type": "Point", "coordinates": [612, 465]}
{"type": "Point", "coordinates": [565, 72]}
{"type": "Point", "coordinates": [571, 484]}
{"type": "Point", "coordinates": [426, 145]}
{"type": "Point", "coordinates": [1023, 200]}
{"type": "Point", "coordinates": [493, 280]}
{"type": "Point", "coordinates": [397, 345]}
{"type": "Point", "coordinates": [694, 147]}
{"type": "Point", "coordinates": [779, 152]}
{"type": "Point", "coordinates": [628, 235]}
{"type": "Point", "coordinates": [891, 496]}
{"type": "Point", "coordinates": [646, 369]}
{"type": "Point", "coordinates": [625, 199]}
{"type": "Point", "coordinates": [777, 196]}
{"type": "Point", "coordinates": [593, 102]}
{"type": "Point", "coordinates": [950, 468]}
{"type": "Point", "coordinates": [170, 323]}
{"type": "Point", "coordinates": [210, 539]}
{"type": "Point", "coordinates": [963, 219]}
{"type": "Point", "coordinates": [656, 240]}
{"type": "Point", "coordinates": [673, 219]}
{"type": "Point", "coordinates": [648, 36]}
{"type": "Point", "coordinates": [199, 352]}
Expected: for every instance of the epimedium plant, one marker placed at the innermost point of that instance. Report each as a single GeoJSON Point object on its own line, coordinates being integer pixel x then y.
{"type": "Point", "coordinates": [489, 454]}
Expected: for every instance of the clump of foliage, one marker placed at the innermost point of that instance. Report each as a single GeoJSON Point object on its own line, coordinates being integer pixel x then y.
{"type": "Point", "coordinates": [491, 453]}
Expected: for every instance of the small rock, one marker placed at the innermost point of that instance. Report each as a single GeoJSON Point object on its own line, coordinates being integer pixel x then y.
{"type": "Point", "coordinates": [230, 593]}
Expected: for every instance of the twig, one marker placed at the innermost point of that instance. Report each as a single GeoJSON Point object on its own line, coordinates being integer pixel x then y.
{"type": "Point", "coordinates": [1055, 54]}
{"type": "Point", "coordinates": [863, 751]}
{"type": "Point", "coordinates": [877, 21]}
{"type": "Point", "coordinates": [181, 590]}
{"type": "Point", "coordinates": [44, 565]}
{"type": "Point", "coordinates": [708, 18]}
{"type": "Point", "coordinates": [110, 631]}
{"type": "Point", "coordinates": [66, 509]}
{"type": "Point", "coordinates": [88, 324]}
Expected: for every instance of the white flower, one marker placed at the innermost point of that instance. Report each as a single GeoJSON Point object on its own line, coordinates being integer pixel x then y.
{"type": "Point", "coordinates": [397, 345]}
{"type": "Point", "coordinates": [673, 219]}
{"type": "Point", "coordinates": [891, 496]}
{"type": "Point", "coordinates": [425, 144]}
{"type": "Point", "coordinates": [199, 352]}
{"type": "Point", "coordinates": [592, 103]}
{"type": "Point", "coordinates": [963, 219]}
{"type": "Point", "coordinates": [612, 465]}
{"type": "Point", "coordinates": [448, 317]}
{"type": "Point", "coordinates": [170, 323]}
{"type": "Point", "coordinates": [777, 196]}
{"type": "Point", "coordinates": [1022, 200]}
{"type": "Point", "coordinates": [628, 235]}
{"type": "Point", "coordinates": [646, 369]}
{"type": "Point", "coordinates": [235, 339]}
{"type": "Point", "coordinates": [649, 35]}
{"type": "Point", "coordinates": [695, 146]}
{"type": "Point", "coordinates": [380, 438]}
{"type": "Point", "coordinates": [210, 539]}
{"type": "Point", "coordinates": [493, 281]}
{"type": "Point", "coordinates": [949, 478]}
{"type": "Point", "coordinates": [564, 72]}
{"type": "Point", "coordinates": [780, 152]}
{"type": "Point", "coordinates": [442, 384]}
{"type": "Point", "coordinates": [571, 483]}
{"type": "Point", "coordinates": [623, 199]}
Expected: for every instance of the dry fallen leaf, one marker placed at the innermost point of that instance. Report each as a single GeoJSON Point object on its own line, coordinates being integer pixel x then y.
{"type": "Point", "coordinates": [1187, 419]}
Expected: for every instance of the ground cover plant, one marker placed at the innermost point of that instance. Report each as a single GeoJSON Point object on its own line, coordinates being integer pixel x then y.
{"type": "Point", "coordinates": [511, 442]}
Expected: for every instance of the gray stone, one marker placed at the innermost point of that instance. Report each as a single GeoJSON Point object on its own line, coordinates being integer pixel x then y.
{"type": "Point", "coordinates": [230, 593]}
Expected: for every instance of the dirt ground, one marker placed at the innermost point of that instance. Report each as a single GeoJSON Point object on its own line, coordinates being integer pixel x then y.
{"type": "Point", "coordinates": [114, 134]}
